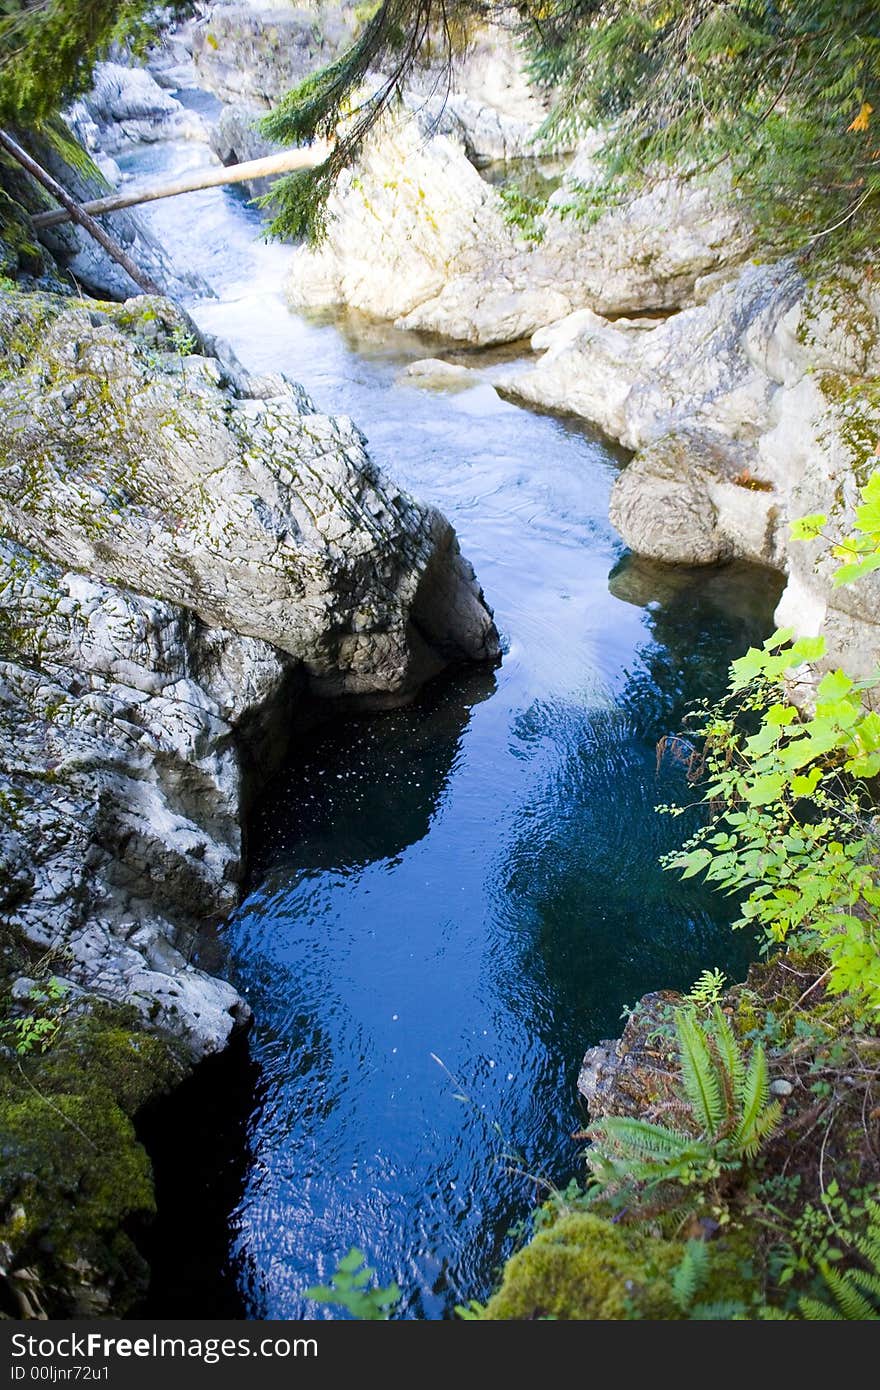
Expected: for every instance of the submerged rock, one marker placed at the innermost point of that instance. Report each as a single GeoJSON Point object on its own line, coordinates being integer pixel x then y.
{"type": "Point", "coordinates": [433, 374]}
{"type": "Point", "coordinates": [745, 413]}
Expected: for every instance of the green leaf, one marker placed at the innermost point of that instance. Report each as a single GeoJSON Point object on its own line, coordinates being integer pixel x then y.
{"type": "Point", "coordinates": [765, 790]}
{"type": "Point", "coordinates": [779, 638]}
{"type": "Point", "coordinates": [857, 569]}
{"type": "Point", "coordinates": [834, 685]}
{"type": "Point", "coordinates": [695, 862]}
{"type": "Point", "coordinates": [780, 715]}
{"type": "Point", "coordinates": [865, 765]}
{"type": "Point", "coordinates": [807, 649]}
{"type": "Point", "coordinates": [807, 528]}
{"type": "Point", "coordinates": [868, 732]}
{"type": "Point", "coordinates": [698, 1073]}
{"type": "Point", "coordinates": [807, 784]}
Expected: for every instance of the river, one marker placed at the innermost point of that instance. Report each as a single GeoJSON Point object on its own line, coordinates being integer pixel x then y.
{"type": "Point", "coordinates": [447, 904]}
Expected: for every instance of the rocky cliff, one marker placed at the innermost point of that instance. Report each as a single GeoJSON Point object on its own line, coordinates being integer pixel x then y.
{"type": "Point", "coordinates": [417, 236]}
{"type": "Point", "coordinates": [231, 546]}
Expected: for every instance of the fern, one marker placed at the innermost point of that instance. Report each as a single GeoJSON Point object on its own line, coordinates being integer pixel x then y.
{"type": "Point", "coordinates": [689, 1280]}
{"type": "Point", "coordinates": [868, 1245]}
{"type": "Point", "coordinates": [691, 1274]}
{"type": "Point", "coordinates": [725, 1310]}
{"type": "Point", "coordinates": [729, 1050]}
{"type": "Point", "coordinates": [759, 1119]}
{"type": "Point", "coordinates": [701, 1078]}
{"type": "Point", "coordinates": [725, 1101]}
{"type": "Point", "coordinates": [855, 1293]}
{"type": "Point", "coordinates": [642, 1139]}
{"type": "Point", "coordinates": [707, 989]}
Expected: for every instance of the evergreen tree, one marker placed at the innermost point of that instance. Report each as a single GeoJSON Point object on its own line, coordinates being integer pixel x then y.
{"type": "Point", "coordinates": [782, 92]}
{"type": "Point", "coordinates": [48, 49]}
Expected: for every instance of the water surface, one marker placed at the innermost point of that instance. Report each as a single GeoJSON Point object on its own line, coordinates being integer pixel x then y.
{"type": "Point", "coordinates": [448, 903]}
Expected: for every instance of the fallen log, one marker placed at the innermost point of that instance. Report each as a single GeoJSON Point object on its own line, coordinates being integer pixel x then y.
{"type": "Point", "coordinates": [284, 163]}
{"type": "Point", "coordinates": [75, 213]}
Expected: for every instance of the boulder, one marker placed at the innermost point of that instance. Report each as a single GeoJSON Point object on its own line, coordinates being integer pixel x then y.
{"type": "Point", "coordinates": [255, 55]}
{"type": "Point", "coordinates": [140, 466]}
{"type": "Point", "coordinates": [190, 556]}
{"type": "Point", "coordinates": [127, 105]}
{"type": "Point", "coordinates": [120, 786]}
{"type": "Point", "coordinates": [416, 236]}
{"type": "Point", "coordinates": [487, 103]}
{"type": "Point", "coordinates": [236, 138]}
{"type": "Point", "coordinates": [745, 413]}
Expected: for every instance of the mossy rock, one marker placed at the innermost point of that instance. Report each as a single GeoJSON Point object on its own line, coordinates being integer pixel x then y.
{"type": "Point", "coordinates": [73, 1175]}
{"type": "Point", "coordinates": [20, 252]}
{"type": "Point", "coordinates": [585, 1268]}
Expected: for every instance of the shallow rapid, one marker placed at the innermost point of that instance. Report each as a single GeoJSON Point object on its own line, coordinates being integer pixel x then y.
{"type": "Point", "coordinates": [448, 903]}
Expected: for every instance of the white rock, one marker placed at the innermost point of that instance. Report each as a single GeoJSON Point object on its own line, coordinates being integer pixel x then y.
{"type": "Point", "coordinates": [416, 236]}
{"type": "Point", "coordinates": [126, 105]}
{"type": "Point", "coordinates": [745, 413]}
{"type": "Point", "coordinates": [247, 552]}
{"type": "Point", "coordinates": [258, 513]}
{"type": "Point", "coordinates": [433, 374]}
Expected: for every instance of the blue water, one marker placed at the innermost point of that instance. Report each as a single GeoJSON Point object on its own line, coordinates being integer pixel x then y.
{"type": "Point", "coordinates": [449, 903]}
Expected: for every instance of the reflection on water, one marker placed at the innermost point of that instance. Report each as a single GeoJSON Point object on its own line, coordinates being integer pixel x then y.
{"type": "Point", "coordinates": [448, 903]}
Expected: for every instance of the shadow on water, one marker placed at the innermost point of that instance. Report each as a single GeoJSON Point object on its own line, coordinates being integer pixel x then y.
{"type": "Point", "coordinates": [197, 1141]}
{"type": "Point", "coordinates": [598, 920]}
{"type": "Point", "coordinates": [449, 903]}
{"type": "Point", "coordinates": [440, 918]}
{"type": "Point", "coordinates": [348, 799]}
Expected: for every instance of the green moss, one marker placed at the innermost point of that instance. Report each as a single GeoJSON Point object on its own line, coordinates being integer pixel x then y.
{"type": "Point", "coordinates": [72, 1173]}
{"type": "Point", "coordinates": [585, 1268]}
{"type": "Point", "coordinates": [24, 320]}
{"type": "Point", "coordinates": [61, 139]}
{"type": "Point", "coordinates": [20, 253]}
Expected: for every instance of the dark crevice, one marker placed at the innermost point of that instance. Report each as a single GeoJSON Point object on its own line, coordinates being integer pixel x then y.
{"type": "Point", "coordinates": [197, 1139]}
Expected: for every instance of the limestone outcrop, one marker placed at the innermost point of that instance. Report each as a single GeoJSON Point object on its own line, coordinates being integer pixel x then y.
{"type": "Point", "coordinates": [189, 556]}
{"type": "Point", "coordinates": [120, 787]}
{"type": "Point", "coordinates": [127, 104]}
{"type": "Point", "coordinates": [745, 413]}
{"type": "Point", "coordinates": [255, 54]}
{"type": "Point", "coordinates": [417, 236]}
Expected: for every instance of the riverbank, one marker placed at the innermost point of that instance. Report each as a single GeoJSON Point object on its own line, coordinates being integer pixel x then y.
{"type": "Point", "coordinates": [440, 883]}
{"type": "Point", "coordinates": [191, 556]}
